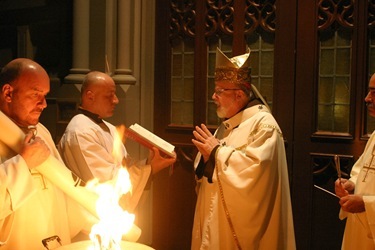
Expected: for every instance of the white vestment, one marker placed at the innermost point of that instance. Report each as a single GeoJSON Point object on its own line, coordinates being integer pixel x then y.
{"type": "Point", "coordinates": [360, 227]}
{"type": "Point", "coordinates": [252, 169]}
{"type": "Point", "coordinates": [31, 207]}
{"type": "Point", "coordinates": [87, 149]}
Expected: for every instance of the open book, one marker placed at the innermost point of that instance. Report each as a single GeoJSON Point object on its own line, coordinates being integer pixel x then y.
{"type": "Point", "coordinates": [141, 135]}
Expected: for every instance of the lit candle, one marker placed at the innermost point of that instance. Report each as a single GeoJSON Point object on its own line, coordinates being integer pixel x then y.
{"type": "Point", "coordinates": [56, 172]}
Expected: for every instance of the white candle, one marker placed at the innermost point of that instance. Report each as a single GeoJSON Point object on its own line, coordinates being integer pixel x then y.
{"type": "Point", "coordinates": [56, 172]}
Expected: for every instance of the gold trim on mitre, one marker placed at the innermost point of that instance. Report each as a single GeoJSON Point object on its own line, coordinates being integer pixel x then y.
{"type": "Point", "coordinates": [235, 69]}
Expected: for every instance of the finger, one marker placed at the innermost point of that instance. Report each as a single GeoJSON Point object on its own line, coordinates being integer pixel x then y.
{"type": "Point", "coordinates": [346, 185]}
{"type": "Point", "coordinates": [170, 160]}
{"type": "Point", "coordinates": [337, 182]}
{"type": "Point", "coordinates": [342, 202]}
{"type": "Point", "coordinates": [206, 131]}
{"type": "Point", "coordinates": [198, 144]}
{"type": "Point", "coordinates": [198, 136]}
{"type": "Point", "coordinates": [28, 137]}
{"type": "Point", "coordinates": [151, 153]}
{"type": "Point", "coordinates": [156, 151]}
{"type": "Point", "coordinates": [200, 131]}
{"type": "Point", "coordinates": [174, 155]}
{"type": "Point", "coordinates": [203, 130]}
{"type": "Point", "coordinates": [38, 140]}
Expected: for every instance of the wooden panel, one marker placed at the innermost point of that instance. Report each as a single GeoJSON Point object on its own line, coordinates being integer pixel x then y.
{"type": "Point", "coordinates": [173, 204]}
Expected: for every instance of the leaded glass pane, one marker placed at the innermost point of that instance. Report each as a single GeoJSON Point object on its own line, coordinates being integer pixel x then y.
{"type": "Point", "coordinates": [184, 117]}
{"type": "Point", "coordinates": [182, 82]}
{"type": "Point", "coordinates": [334, 81]}
{"type": "Point", "coordinates": [189, 64]}
{"type": "Point", "coordinates": [177, 91]}
{"type": "Point", "coordinates": [342, 113]}
{"type": "Point", "coordinates": [326, 63]}
{"type": "Point", "coordinates": [266, 63]}
{"type": "Point", "coordinates": [343, 64]}
{"type": "Point", "coordinates": [325, 116]}
{"type": "Point", "coordinates": [342, 90]}
{"type": "Point", "coordinates": [326, 90]}
{"type": "Point", "coordinates": [262, 61]}
{"type": "Point", "coordinates": [177, 64]}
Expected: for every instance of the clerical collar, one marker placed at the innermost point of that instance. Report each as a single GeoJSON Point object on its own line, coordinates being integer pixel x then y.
{"type": "Point", "coordinates": [91, 115]}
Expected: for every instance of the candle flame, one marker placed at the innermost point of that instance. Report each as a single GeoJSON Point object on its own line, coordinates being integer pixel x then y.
{"type": "Point", "coordinates": [114, 222]}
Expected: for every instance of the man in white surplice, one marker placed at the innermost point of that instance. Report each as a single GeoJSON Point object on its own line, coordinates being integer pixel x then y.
{"type": "Point", "coordinates": [358, 193]}
{"type": "Point", "coordinates": [242, 177]}
{"type": "Point", "coordinates": [32, 208]}
{"type": "Point", "coordinates": [88, 142]}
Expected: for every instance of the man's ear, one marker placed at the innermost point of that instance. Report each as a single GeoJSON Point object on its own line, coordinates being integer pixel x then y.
{"type": "Point", "coordinates": [90, 95]}
{"type": "Point", "coordinates": [7, 92]}
{"type": "Point", "coordinates": [240, 94]}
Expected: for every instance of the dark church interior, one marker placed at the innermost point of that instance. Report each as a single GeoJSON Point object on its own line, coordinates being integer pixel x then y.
{"type": "Point", "coordinates": [311, 61]}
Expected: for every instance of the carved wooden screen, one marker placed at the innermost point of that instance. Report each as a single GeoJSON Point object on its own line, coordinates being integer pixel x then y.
{"type": "Point", "coordinates": [258, 21]}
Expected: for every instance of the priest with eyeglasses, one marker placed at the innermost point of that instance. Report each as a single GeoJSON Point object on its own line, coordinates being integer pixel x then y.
{"type": "Point", "coordinates": [241, 170]}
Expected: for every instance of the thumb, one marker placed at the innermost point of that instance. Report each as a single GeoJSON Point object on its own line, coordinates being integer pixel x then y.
{"type": "Point", "coordinates": [156, 151]}
{"type": "Point", "coordinates": [28, 137]}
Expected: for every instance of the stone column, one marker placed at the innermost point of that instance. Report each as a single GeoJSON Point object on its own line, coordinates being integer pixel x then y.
{"type": "Point", "coordinates": [81, 24]}
{"type": "Point", "coordinates": [126, 31]}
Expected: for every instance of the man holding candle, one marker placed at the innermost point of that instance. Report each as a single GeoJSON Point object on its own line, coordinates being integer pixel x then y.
{"type": "Point", "coordinates": [358, 193]}
{"type": "Point", "coordinates": [32, 208]}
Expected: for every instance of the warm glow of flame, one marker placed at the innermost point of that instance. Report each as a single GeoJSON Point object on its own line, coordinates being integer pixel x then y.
{"type": "Point", "coordinates": [114, 221]}
{"type": "Point", "coordinates": [119, 139]}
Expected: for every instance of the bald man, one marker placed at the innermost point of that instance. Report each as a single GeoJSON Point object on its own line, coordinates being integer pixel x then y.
{"type": "Point", "coordinates": [32, 209]}
{"type": "Point", "coordinates": [358, 192]}
{"type": "Point", "coordinates": [87, 144]}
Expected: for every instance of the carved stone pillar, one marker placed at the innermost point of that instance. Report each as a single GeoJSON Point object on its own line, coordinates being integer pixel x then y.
{"type": "Point", "coordinates": [81, 23]}
{"type": "Point", "coordinates": [127, 32]}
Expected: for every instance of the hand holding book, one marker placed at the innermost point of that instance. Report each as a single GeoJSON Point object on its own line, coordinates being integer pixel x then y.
{"type": "Point", "coordinates": [146, 138]}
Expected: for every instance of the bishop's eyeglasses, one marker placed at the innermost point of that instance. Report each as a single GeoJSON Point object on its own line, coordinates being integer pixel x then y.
{"type": "Point", "coordinates": [219, 91]}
